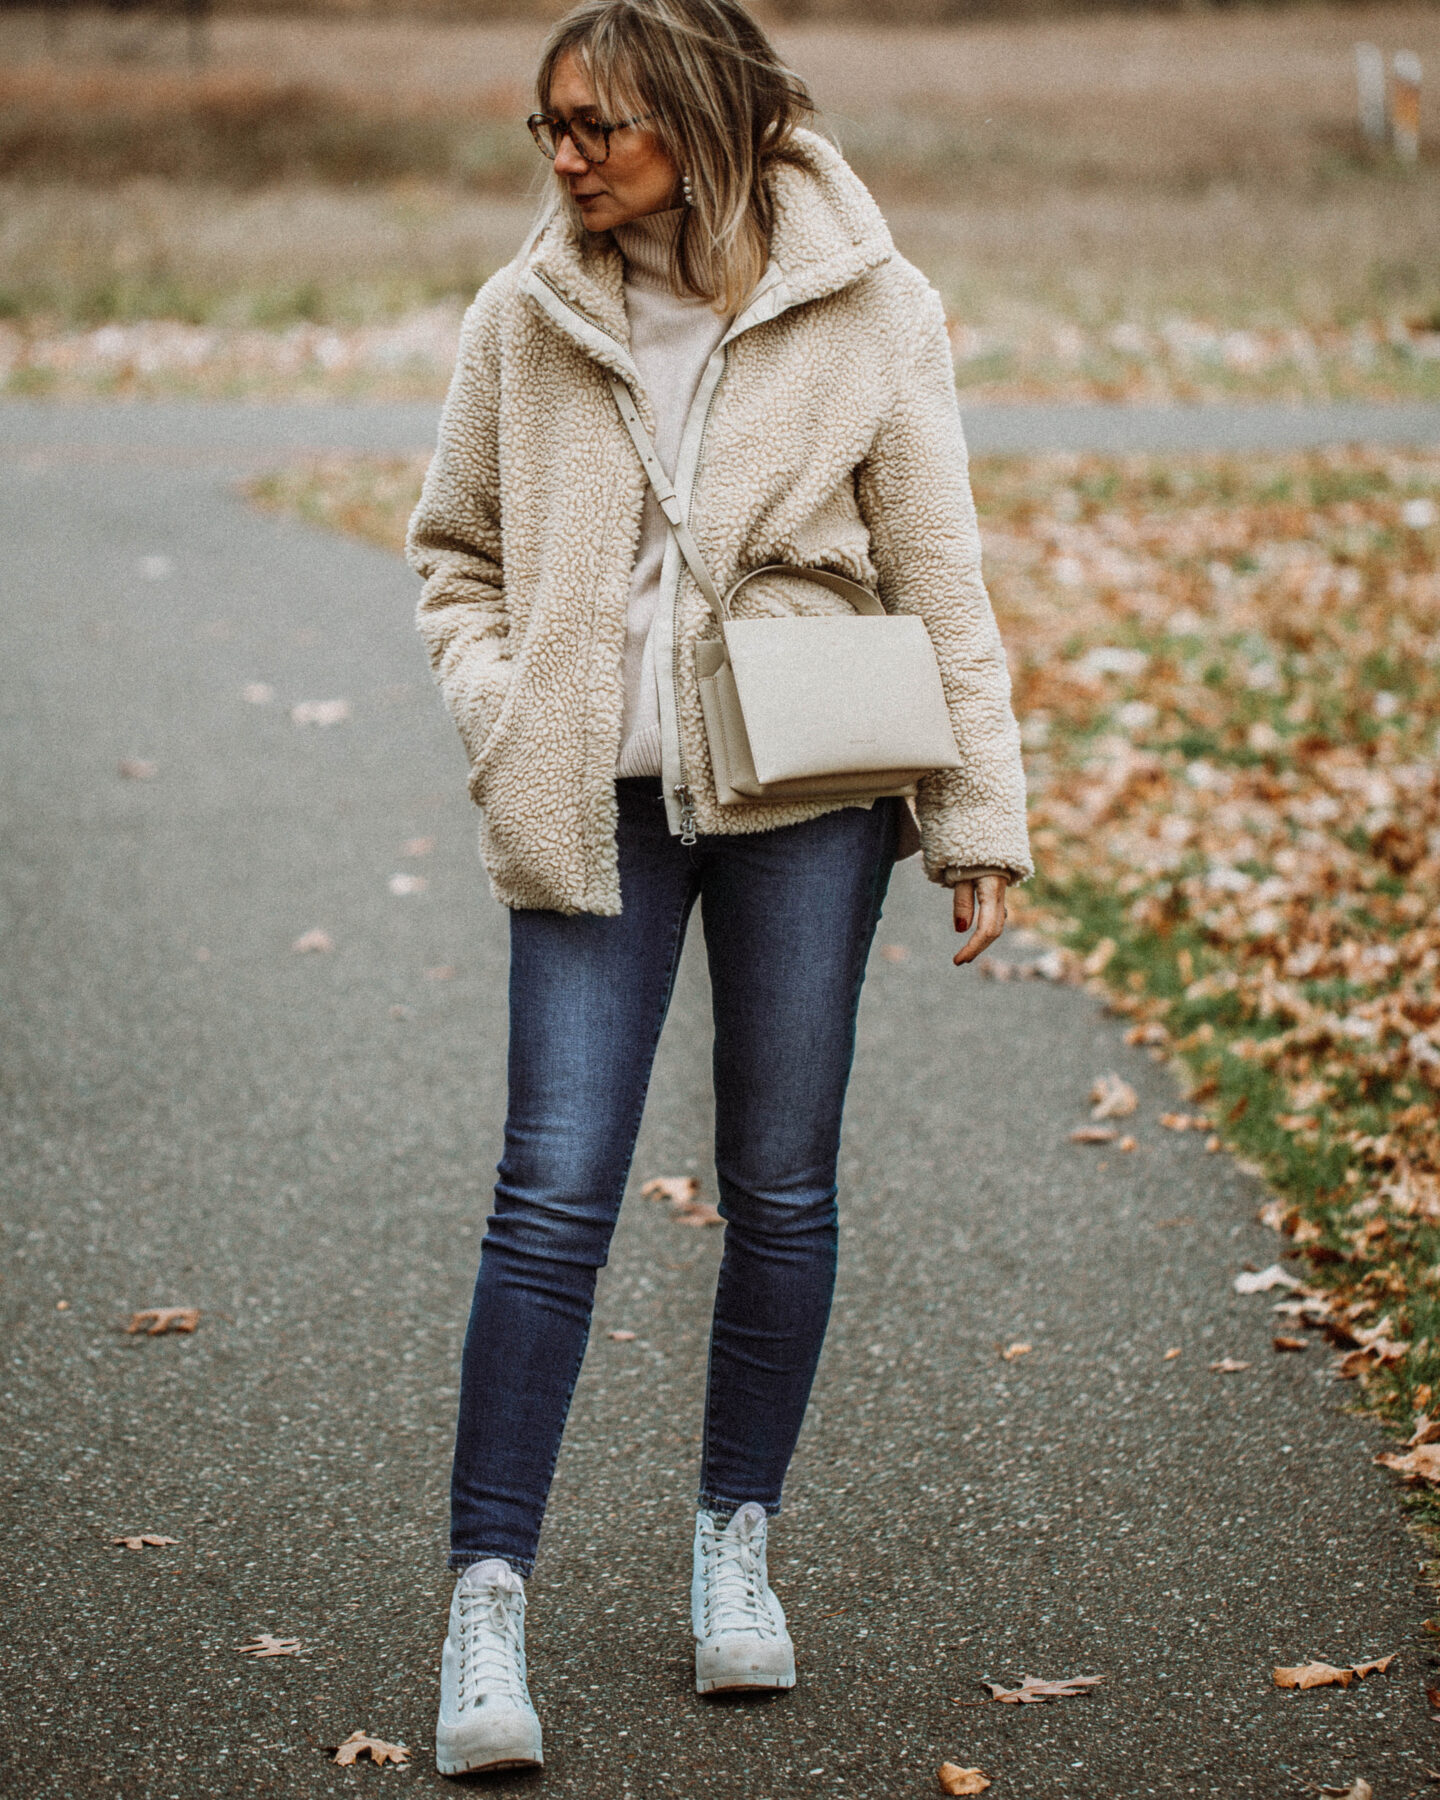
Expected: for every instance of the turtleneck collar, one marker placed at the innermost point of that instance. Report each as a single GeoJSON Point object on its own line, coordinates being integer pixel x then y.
{"type": "Point", "coordinates": [646, 243]}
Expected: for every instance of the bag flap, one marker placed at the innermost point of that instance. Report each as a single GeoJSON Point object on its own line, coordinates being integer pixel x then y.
{"type": "Point", "coordinates": [824, 695]}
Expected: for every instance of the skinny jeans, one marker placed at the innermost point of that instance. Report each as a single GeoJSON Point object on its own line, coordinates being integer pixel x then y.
{"type": "Point", "coordinates": [788, 916]}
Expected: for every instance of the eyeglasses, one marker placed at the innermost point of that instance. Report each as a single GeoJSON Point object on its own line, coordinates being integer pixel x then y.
{"type": "Point", "coordinates": [589, 135]}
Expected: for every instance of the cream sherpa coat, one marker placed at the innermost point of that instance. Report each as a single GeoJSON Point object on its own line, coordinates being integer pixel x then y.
{"type": "Point", "coordinates": [825, 432]}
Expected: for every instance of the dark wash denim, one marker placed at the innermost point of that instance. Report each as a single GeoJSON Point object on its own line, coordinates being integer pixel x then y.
{"type": "Point", "coordinates": [788, 916]}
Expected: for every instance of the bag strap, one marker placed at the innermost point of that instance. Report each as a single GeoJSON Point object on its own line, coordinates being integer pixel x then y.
{"type": "Point", "coordinates": [859, 596]}
{"type": "Point", "coordinates": [667, 497]}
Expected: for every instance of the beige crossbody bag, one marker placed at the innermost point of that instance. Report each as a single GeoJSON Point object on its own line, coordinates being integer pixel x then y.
{"type": "Point", "coordinates": [801, 708]}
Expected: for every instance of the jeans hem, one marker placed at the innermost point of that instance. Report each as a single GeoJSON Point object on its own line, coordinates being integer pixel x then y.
{"type": "Point", "coordinates": [713, 1503]}
{"type": "Point", "coordinates": [460, 1560]}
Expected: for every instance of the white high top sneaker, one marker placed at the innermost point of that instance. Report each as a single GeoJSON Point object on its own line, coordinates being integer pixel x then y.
{"type": "Point", "coordinates": [486, 1719]}
{"type": "Point", "coordinates": [740, 1635]}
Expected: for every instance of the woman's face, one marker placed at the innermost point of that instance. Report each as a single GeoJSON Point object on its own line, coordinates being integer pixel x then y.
{"type": "Point", "coordinates": [638, 177]}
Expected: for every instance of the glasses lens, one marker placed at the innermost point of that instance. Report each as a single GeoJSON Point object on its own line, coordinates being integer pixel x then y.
{"type": "Point", "coordinates": [589, 139]}
{"type": "Point", "coordinates": [587, 135]}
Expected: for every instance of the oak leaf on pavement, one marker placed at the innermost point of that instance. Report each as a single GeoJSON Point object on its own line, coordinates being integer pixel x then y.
{"type": "Point", "coordinates": [264, 1645]}
{"type": "Point", "coordinates": [955, 1780]}
{"type": "Point", "coordinates": [1032, 1689]}
{"type": "Point", "coordinates": [155, 1320]}
{"type": "Point", "coordinates": [1260, 1281]}
{"type": "Point", "coordinates": [1112, 1097]}
{"type": "Point", "coordinates": [360, 1743]}
{"type": "Point", "coordinates": [143, 1540]}
{"type": "Point", "coordinates": [683, 1194]}
{"type": "Point", "coordinates": [1323, 1674]}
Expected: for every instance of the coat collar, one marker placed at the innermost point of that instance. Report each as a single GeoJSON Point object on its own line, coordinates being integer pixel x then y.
{"type": "Point", "coordinates": [828, 232]}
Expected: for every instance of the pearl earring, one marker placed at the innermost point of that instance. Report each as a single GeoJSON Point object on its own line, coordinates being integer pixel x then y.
{"type": "Point", "coordinates": [687, 192]}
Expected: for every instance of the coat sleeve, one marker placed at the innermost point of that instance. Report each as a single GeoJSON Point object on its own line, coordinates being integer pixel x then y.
{"type": "Point", "coordinates": [454, 539]}
{"type": "Point", "coordinates": [914, 494]}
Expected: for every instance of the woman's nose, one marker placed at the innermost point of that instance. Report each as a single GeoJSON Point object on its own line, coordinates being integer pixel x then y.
{"type": "Point", "coordinates": [568, 160]}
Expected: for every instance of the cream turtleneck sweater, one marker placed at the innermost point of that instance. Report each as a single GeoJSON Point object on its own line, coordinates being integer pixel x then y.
{"type": "Point", "coordinates": [672, 337]}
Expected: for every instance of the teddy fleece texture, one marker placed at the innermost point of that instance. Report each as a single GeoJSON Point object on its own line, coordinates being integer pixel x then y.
{"type": "Point", "coordinates": [826, 433]}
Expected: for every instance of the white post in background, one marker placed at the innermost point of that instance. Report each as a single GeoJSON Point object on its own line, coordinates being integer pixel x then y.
{"type": "Point", "coordinates": [1370, 86]}
{"type": "Point", "coordinates": [1405, 105]}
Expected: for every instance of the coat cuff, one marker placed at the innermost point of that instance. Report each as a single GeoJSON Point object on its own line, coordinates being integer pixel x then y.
{"type": "Point", "coordinates": [952, 876]}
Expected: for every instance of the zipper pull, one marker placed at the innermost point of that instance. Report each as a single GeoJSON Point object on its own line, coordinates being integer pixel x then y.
{"type": "Point", "coordinates": [687, 812]}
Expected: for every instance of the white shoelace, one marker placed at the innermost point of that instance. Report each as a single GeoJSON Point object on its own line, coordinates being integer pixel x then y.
{"type": "Point", "coordinates": [491, 1658]}
{"type": "Point", "coordinates": [735, 1588]}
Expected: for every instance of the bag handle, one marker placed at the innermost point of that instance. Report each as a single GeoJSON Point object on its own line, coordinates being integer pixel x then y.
{"type": "Point", "coordinates": [859, 596]}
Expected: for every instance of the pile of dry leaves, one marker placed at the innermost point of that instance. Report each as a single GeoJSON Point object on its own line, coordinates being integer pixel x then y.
{"type": "Point", "coordinates": [1228, 676]}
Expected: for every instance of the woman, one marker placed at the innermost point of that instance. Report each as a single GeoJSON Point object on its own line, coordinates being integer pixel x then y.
{"type": "Point", "coordinates": [720, 258]}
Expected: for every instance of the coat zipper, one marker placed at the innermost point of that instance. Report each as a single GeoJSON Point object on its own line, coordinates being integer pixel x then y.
{"type": "Point", "coordinates": [682, 790]}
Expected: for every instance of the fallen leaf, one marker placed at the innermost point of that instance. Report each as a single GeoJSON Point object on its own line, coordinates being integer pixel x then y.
{"type": "Point", "coordinates": [1228, 1365]}
{"type": "Point", "coordinates": [264, 1645]}
{"type": "Point", "coordinates": [1314, 1674]}
{"type": "Point", "coordinates": [1420, 1464]}
{"type": "Point", "coordinates": [257, 693]}
{"type": "Point", "coordinates": [1176, 1121]}
{"type": "Point", "coordinates": [1322, 1674]}
{"type": "Point", "coordinates": [896, 953]}
{"type": "Point", "coordinates": [313, 940]}
{"type": "Point", "coordinates": [677, 1189]}
{"type": "Point", "coordinates": [1032, 1689]}
{"type": "Point", "coordinates": [1127, 1143]}
{"type": "Point", "coordinates": [1289, 1343]}
{"type": "Point", "coordinates": [1357, 1790]}
{"type": "Point", "coordinates": [1093, 1134]}
{"type": "Point", "coordinates": [682, 1192]}
{"type": "Point", "coordinates": [622, 1337]}
{"type": "Point", "coordinates": [1098, 959]}
{"type": "Point", "coordinates": [1426, 1431]}
{"type": "Point", "coordinates": [1263, 1280]}
{"type": "Point", "coordinates": [955, 1780]}
{"type": "Point", "coordinates": [700, 1213]}
{"type": "Point", "coordinates": [145, 1539]}
{"type": "Point", "coordinates": [441, 972]}
{"type": "Point", "coordinates": [1112, 1098]}
{"type": "Point", "coordinates": [135, 770]}
{"type": "Point", "coordinates": [417, 846]}
{"type": "Point", "coordinates": [1379, 1352]}
{"type": "Point", "coordinates": [408, 884]}
{"type": "Point", "coordinates": [320, 712]}
{"type": "Point", "coordinates": [359, 1743]}
{"type": "Point", "coordinates": [1274, 1214]}
{"type": "Point", "coordinates": [1012, 1352]}
{"type": "Point", "coordinates": [1432, 1694]}
{"type": "Point", "coordinates": [154, 1320]}
{"type": "Point", "coordinates": [1212, 1144]}
{"type": "Point", "coordinates": [1170, 1355]}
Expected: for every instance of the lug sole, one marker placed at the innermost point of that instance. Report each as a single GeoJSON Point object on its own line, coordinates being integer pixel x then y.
{"type": "Point", "coordinates": [479, 1768]}
{"type": "Point", "coordinates": [726, 1684]}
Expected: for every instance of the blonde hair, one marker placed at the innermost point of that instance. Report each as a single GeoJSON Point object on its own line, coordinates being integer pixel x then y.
{"type": "Point", "coordinates": [725, 109]}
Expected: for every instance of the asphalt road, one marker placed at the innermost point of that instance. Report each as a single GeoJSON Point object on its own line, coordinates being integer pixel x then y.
{"type": "Point", "coordinates": [301, 1146]}
{"type": "Point", "coordinates": [250, 432]}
